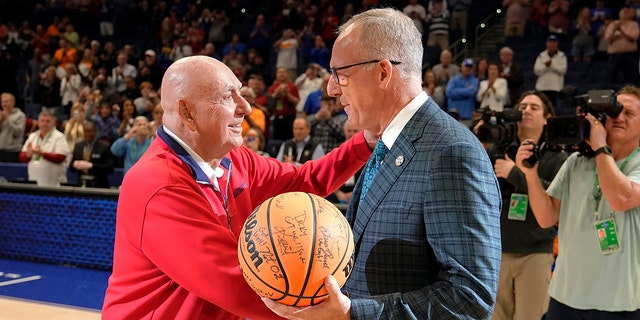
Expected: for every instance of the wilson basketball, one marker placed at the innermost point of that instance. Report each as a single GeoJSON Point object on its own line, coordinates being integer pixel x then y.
{"type": "Point", "coordinates": [290, 244]}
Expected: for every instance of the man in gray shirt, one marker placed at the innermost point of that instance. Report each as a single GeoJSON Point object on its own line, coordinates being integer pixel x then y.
{"type": "Point", "coordinates": [12, 122]}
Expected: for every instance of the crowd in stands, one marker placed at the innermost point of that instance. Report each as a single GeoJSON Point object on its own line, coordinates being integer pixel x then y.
{"type": "Point", "coordinates": [73, 60]}
{"type": "Point", "coordinates": [99, 64]}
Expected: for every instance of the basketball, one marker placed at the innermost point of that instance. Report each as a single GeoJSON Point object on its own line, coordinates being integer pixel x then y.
{"type": "Point", "coordinates": [290, 244]}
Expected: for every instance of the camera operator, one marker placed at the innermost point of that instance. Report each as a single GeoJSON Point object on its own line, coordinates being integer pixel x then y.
{"type": "Point", "coordinates": [527, 249]}
{"type": "Point", "coordinates": [598, 266]}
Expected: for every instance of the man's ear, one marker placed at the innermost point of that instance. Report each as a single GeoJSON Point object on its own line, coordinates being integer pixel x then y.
{"type": "Point", "coordinates": [386, 71]}
{"type": "Point", "coordinates": [186, 114]}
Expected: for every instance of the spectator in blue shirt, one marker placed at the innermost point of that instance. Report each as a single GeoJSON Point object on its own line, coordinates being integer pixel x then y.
{"type": "Point", "coordinates": [461, 92]}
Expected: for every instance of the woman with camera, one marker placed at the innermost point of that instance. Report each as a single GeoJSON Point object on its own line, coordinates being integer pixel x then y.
{"type": "Point", "coordinates": [527, 249]}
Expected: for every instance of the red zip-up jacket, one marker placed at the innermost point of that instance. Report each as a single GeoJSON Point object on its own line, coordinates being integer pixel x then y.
{"type": "Point", "coordinates": [175, 253]}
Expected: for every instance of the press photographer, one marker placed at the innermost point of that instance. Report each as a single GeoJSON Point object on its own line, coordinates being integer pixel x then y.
{"type": "Point", "coordinates": [601, 246]}
{"type": "Point", "coordinates": [570, 133]}
{"type": "Point", "coordinates": [527, 249]}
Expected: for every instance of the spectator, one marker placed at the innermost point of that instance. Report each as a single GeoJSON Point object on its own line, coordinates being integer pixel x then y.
{"type": "Point", "coordinates": [550, 68]}
{"type": "Point", "coordinates": [598, 15]}
{"type": "Point", "coordinates": [157, 120]}
{"type": "Point", "coordinates": [74, 126]}
{"type": "Point", "coordinates": [516, 17]}
{"type": "Point", "coordinates": [320, 54]}
{"type": "Point", "coordinates": [134, 143]}
{"type": "Point", "coordinates": [582, 44]}
{"type": "Point", "coordinates": [126, 115]}
{"type": "Point", "coordinates": [147, 100]}
{"type": "Point", "coordinates": [538, 18]}
{"type": "Point", "coordinates": [461, 93]}
{"type": "Point", "coordinates": [49, 88]}
{"type": "Point", "coordinates": [260, 36]}
{"type": "Point", "coordinates": [92, 159]}
{"type": "Point", "coordinates": [86, 64]}
{"type": "Point", "coordinates": [71, 36]}
{"type": "Point", "coordinates": [65, 54]}
{"type": "Point", "coordinates": [329, 23]}
{"type": "Point", "coordinates": [235, 45]}
{"type": "Point", "coordinates": [285, 96]}
{"type": "Point", "coordinates": [458, 9]}
{"type": "Point", "coordinates": [438, 21]}
{"type": "Point", "coordinates": [590, 244]}
{"type": "Point", "coordinates": [254, 140]}
{"type": "Point", "coordinates": [417, 13]}
{"type": "Point", "coordinates": [513, 73]}
{"type": "Point", "coordinates": [287, 47]}
{"type": "Point", "coordinates": [209, 50]}
{"type": "Point", "coordinates": [308, 82]}
{"type": "Point", "coordinates": [120, 72]}
{"type": "Point", "coordinates": [150, 70]}
{"type": "Point", "coordinates": [493, 91]}
{"type": "Point", "coordinates": [433, 89]}
{"type": "Point", "coordinates": [12, 124]}
{"type": "Point", "coordinates": [343, 195]}
{"type": "Point", "coordinates": [46, 151]}
{"type": "Point", "coordinates": [622, 37]}
{"type": "Point", "coordinates": [603, 44]}
{"type": "Point", "coordinates": [327, 125]}
{"type": "Point", "coordinates": [70, 86]}
{"type": "Point", "coordinates": [180, 48]}
{"type": "Point", "coordinates": [106, 17]}
{"type": "Point", "coordinates": [559, 17]}
{"type": "Point", "coordinates": [256, 118]}
{"type": "Point", "coordinates": [445, 70]}
{"type": "Point", "coordinates": [314, 99]}
{"type": "Point", "coordinates": [481, 69]}
{"type": "Point", "coordinates": [107, 123]}
{"type": "Point", "coordinates": [302, 147]}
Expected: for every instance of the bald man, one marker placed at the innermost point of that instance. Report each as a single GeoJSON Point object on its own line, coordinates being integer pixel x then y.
{"type": "Point", "coordinates": [182, 205]}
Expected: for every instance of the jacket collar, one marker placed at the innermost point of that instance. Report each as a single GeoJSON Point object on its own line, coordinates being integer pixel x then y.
{"type": "Point", "coordinates": [196, 171]}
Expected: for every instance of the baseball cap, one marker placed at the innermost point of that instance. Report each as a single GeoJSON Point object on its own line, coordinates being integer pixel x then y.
{"type": "Point", "coordinates": [468, 62]}
{"type": "Point", "coordinates": [149, 53]}
{"type": "Point", "coordinates": [552, 38]}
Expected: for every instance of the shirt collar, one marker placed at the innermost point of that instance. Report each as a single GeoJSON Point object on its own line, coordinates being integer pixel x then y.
{"type": "Point", "coordinates": [191, 158]}
{"type": "Point", "coordinates": [392, 132]}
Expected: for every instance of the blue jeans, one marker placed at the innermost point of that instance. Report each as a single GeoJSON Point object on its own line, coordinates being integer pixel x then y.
{"type": "Point", "coordinates": [559, 311]}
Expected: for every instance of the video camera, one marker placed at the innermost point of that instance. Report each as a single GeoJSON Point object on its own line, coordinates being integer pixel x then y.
{"type": "Point", "coordinates": [499, 128]}
{"type": "Point", "coordinates": [569, 133]}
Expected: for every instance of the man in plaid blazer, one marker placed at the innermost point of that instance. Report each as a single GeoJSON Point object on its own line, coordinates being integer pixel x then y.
{"type": "Point", "coordinates": [427, 232]}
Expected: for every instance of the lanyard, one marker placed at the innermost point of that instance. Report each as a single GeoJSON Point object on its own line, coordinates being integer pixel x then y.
{"type": "Point", "coordinates": [42, 142]}
{"type": "Point", "coordinates": [597, 192]}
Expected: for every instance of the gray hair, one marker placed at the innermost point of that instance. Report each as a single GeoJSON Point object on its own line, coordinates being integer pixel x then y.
{"type": "Point", "coordinates": [388, 33]}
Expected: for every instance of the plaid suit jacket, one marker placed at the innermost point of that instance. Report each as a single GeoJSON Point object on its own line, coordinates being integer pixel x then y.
{"type": "Point", "coordinates": [428, 231]}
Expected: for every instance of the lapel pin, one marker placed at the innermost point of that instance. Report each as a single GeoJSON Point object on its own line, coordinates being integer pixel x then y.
{"type": "Point", "coordinates": [399, 160]}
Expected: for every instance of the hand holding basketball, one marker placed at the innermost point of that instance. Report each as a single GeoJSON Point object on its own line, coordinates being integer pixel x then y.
{"type": "Point", "coordinates": [290, 244]}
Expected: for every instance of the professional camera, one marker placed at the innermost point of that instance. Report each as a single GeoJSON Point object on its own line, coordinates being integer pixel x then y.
{"type": "Point", "coordinates": [499, 127]}
{"type": "Point", "coordinates": [570, 132]}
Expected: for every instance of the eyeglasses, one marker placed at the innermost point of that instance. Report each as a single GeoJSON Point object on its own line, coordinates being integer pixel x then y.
{"type": "Point", "coordinates": [341, 80]}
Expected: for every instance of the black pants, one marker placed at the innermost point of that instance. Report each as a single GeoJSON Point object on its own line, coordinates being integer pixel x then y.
{"type": "Point", "coordinates": [625, 63]}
